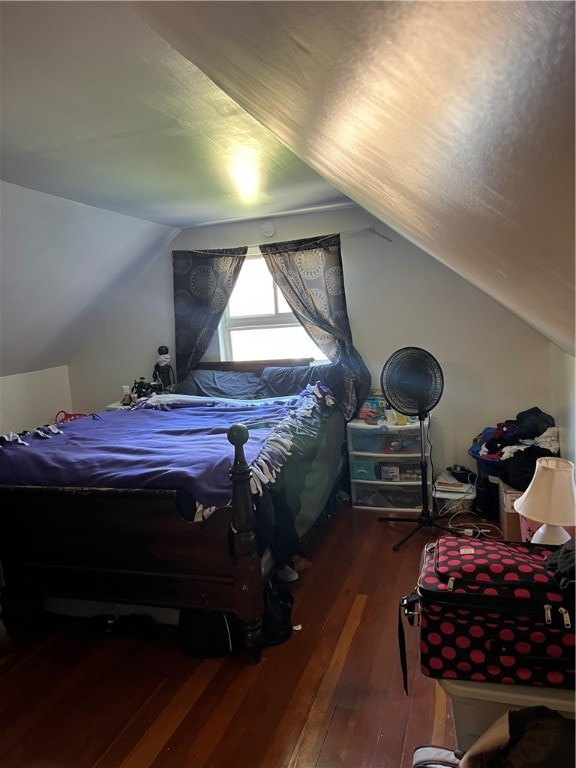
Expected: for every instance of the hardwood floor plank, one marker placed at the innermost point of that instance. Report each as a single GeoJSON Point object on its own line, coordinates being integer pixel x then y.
{"type": "Point", "coordinates": [65, 669]}
{"type": "Point", "coordinates": [345, 581]}
{"type": "Point", "coordinates": [330, 697]}
{"type": "Point", "coordinates": [199, 752]}
{"type": "Point", "coordinates": [312, 736]}
{"type": "Point", "coordinates": [149, 692]}
{"type": "Point", "coordinates": [145, 752]}
{"type": "Point", "coordinates": [379, 733]}
{"type": "Point", "coordinates": [440, 716]}
{"type": "Point", "coordinates": [107, 759]}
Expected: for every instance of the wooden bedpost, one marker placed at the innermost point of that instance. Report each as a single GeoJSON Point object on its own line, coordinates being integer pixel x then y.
{"type": "Point", "coordinates": [248, 576]}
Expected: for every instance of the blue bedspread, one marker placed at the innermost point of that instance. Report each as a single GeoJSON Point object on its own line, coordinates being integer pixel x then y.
{"type": "Point", "coordinates": [164, 445]}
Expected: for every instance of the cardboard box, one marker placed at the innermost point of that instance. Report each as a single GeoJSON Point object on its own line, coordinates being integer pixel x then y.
{"type": "Point", "coordinates": [509, 518]}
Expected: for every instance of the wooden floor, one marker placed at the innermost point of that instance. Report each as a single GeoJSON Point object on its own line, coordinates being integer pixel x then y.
{"type": "Point", "coordinates": [332, 695]}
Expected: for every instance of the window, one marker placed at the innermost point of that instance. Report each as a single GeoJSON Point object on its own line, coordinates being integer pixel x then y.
{"type": "Point", "coordinates": [258, 323]}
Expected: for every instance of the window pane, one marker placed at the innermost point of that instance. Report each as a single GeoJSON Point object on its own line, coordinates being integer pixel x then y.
{"type": "Point", "coordinates": [254, 290]}
{"type": "Point", "coordinates": [273, 343]}
{"type": "Point", "coordinates": [283, 305]}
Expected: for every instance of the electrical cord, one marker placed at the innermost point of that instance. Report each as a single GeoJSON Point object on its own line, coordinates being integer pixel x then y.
{"type": "Point", "coordinates": [472, 529]}
{"type": "Point", "coordinates": [453, 509]}
{"type": "Point", "coordinates": [454, 505]}
{"type": "Point", "coordinates": [430, 447]}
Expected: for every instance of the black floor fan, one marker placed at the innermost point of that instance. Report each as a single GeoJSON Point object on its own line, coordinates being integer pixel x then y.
{"type": "Point", "coordinates": [412, 383]}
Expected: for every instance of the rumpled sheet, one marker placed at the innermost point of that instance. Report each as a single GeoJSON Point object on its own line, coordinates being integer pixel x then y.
{"type": "Point", "coordinates": [166, 443]}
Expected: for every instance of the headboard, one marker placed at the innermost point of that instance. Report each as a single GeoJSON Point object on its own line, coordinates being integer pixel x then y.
{"type": "Point", "coordinates": [255, 366]}
{"type": "Point", "coordinates": [250, 380]}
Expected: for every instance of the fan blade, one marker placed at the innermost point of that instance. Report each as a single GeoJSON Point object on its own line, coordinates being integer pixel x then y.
{"type": "Point", "coordinates": [412, 381]}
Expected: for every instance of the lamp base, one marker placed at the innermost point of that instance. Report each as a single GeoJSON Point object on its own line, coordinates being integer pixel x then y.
{"type": "Point", "coordinates": [550, 534]}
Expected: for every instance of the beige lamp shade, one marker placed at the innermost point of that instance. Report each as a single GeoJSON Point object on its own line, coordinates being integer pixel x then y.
{"type": "Point", "coordinates": [551, 496]}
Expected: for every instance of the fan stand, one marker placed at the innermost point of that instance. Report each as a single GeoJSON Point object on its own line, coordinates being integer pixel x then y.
{"type": "Point", "coordinates": [425, 519]}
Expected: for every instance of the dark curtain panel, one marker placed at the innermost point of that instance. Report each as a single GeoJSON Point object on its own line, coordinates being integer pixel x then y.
{"type": "Point", "coordinates": [309, 274]}
{"type": "Point", "coordinates": [203, 282]}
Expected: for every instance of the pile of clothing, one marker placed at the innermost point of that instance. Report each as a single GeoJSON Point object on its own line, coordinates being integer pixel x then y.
{"type": "Point", "coordinates": [510, 449]}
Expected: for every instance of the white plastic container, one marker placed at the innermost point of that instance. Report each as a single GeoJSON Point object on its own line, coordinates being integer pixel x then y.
{"type": "Point", "coordinates": [450, 502]}
{"type": "Point", "coordinates": [476, 706]}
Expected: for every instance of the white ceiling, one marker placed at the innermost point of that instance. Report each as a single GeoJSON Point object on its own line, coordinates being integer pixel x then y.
{"type": "Point", "coordinates": [96, 107]}
{"type": "Point", "coordinates": [453, 122]}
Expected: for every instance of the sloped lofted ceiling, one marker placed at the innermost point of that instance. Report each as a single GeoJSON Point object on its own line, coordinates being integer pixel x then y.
{"type": "Point", "coordinates": [97, 108]}
{"type": "Point", "coordinates": [451, 122]}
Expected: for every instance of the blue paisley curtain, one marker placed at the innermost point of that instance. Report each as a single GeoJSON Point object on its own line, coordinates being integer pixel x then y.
{"type": "Point", "coordinates": [203, 282]}
{"type": "Point", "coordinates": [309, 274]}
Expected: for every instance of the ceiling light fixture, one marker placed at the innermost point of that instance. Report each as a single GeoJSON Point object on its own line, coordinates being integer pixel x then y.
{"type": "Point", "coordinates": [245, 172]}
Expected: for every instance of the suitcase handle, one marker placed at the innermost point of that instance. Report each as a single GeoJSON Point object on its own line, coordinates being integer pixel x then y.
{"type": "Point", "coordinates": [407, 603]}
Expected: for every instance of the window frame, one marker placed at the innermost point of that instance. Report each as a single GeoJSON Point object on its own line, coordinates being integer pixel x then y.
{"type": "Point", "coordinates": [256, 322]}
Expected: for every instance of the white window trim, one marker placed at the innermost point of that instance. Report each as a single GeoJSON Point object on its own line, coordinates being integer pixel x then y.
{"type": "Point", "coordinates": [249, 322]}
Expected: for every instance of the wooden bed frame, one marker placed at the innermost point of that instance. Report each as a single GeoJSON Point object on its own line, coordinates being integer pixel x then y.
{"type": "Point", "coordinates": [134, 546]}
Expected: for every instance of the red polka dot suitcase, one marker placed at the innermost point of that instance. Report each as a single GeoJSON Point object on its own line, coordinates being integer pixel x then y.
{"type": "Point", "coordinates": [492, 611]}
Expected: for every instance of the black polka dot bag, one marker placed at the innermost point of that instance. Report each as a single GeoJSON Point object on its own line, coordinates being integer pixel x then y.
{"type": "Point", "coordinates": [495, 611]}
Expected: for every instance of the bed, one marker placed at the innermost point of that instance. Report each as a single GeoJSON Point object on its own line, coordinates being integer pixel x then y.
{"type": "Point", "coordinates": [188, 499]}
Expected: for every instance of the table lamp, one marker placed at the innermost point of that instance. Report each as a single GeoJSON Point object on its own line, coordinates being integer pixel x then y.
{"type": "Point", "coordinates": [550, 499]}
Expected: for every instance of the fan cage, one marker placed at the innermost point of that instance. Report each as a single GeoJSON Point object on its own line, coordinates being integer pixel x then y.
{"type": "Point", "coordinates": [412, 381]}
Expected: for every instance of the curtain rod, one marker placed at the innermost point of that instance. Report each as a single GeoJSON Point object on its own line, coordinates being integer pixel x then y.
{"type": "Point", "coordinates": [366, 229]}
{"type": "Point", "coordinates": [343, 232]}
{"type": "Point", "coordinates": [312, 242]}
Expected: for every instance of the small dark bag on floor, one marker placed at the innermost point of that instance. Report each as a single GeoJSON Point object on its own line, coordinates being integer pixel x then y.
{"type": "Point", "coordinates": [205, 634]}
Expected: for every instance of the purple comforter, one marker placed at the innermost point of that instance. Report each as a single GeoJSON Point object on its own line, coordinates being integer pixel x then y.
{"type": "Point", "coordinates": [175, 447]}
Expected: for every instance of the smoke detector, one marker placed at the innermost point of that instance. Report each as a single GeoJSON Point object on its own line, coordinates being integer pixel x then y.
{"type": "Point", "coordinates": [267, 229]}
